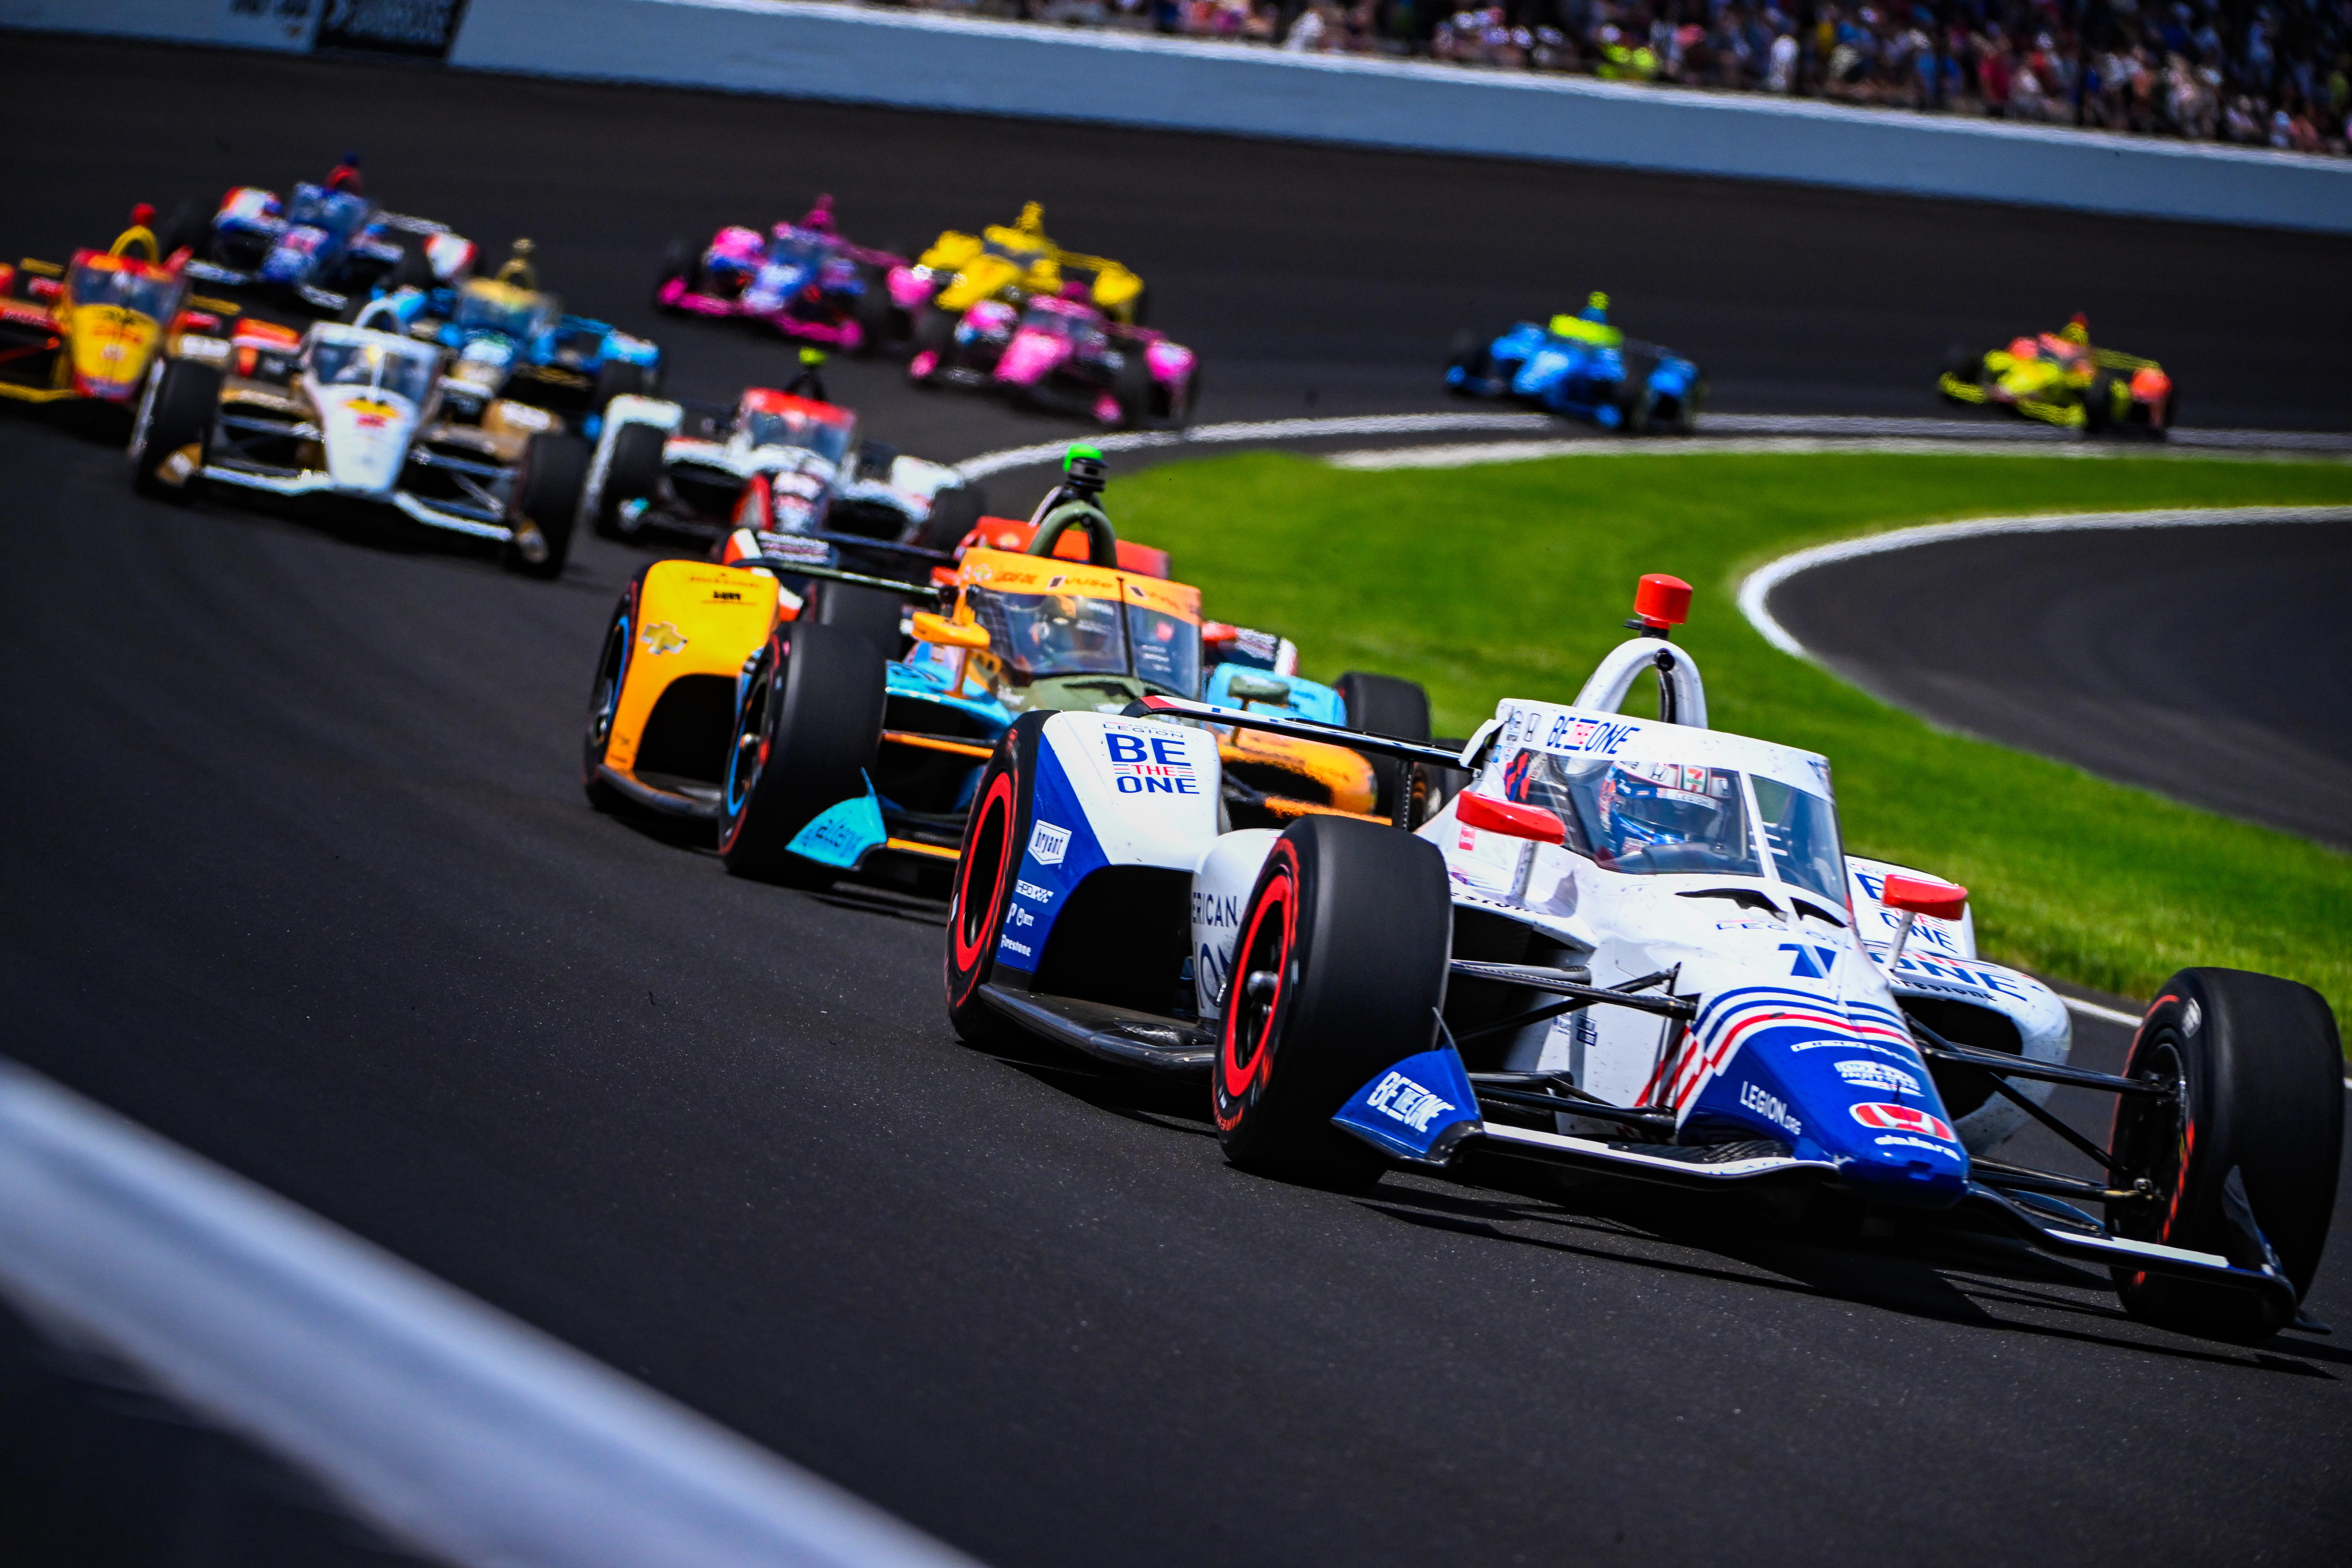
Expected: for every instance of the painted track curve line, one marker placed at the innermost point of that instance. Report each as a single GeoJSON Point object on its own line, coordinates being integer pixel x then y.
{"type": "Point", "coordinates": [1756, 589]}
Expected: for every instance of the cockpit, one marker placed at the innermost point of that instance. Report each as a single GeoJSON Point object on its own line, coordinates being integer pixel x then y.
{"type": "Point", "coordinates": [1650, 818]}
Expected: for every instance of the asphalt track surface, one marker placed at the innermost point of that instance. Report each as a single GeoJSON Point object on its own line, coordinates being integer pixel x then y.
{"type": "Point", "coordinates": [301, 877]}
{"type": "Point", "coordinates": [2209, 664]}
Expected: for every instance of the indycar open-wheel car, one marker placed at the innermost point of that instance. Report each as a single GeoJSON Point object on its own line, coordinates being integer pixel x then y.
{"type": "Point", "coordinates": [1633, 948]}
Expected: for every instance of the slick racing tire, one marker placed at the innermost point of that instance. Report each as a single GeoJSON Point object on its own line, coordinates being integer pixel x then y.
{"type": "Point", "coordinates": [955, 512]}
{"type": "Point", "coordinates": [604, 695]}
{"type": "Point", "coordinates": [619, 378]}
{"type": "Point", "coordinates": [870, 613]}
{"type": "Point", "coordinates": [935, 333]}
{"type": "Point", "coordinates": [1962, 363]}
{"type": "Point", "coordinates": [683, 259]}
{"type": "Point", "coordinates": [1472, 355]}
{"type": "Point", "coordinates": [994, 835]}
{"type": "Point", "coordinates": [2254, 1135]}
{"type": "Point", "coordinates": [877, 318]}
{"type": "Point", "coordinates": [1385, 705]}
{"type": "Point", "coordinates": [635, 473]}
{"type": "Point", "coordinates": [1132, 388]}
{"type": "Point", "coordinates": [415, 268]}
{"type": "Point", "coordinates": [806, 735]}
{"type": "Point", "coordinates": [1339, 972]}
{"type": "Point", "coordinates": [547, 488]}
{"type": "Point", "coordinates": [2099, 404]}
{"type": "Point", "coordinates": [176, 412]}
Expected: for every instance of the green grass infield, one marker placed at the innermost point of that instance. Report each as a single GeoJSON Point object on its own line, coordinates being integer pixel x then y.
{"type": "Point", "coordinates": [1512, 578]}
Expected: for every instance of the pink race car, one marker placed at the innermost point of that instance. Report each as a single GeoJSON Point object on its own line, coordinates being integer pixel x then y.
{"type": "Point", "coordinates": [802, 278]}
{"type": "Point", "coordinates": [1063, 355]}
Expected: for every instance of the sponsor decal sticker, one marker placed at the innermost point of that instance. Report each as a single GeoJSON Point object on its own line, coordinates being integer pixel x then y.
{"type": "Point", "coordinates": [1772, 1107]}
{"type": "Point", "coordinates": [1032, 891]}
{"type": "Point", "coordinates": [1397, 1095]}
{"type": "Point", "coordinates": [1154, 764]}
{"type": "Point", "coordinates": [1591, 735]}
{"type": "Point", "coordinates": [1048, 844]}
{"type": "Point", "coordinates": [1879, 1076]}
{"type": "Point", "coordinates": [1014, 915]}
{"type": "Point", "coordinates": [1882, 1117]}
{"type": "Point", "coordinates": [661, 636]}
{"type": "Point", "coordinates": [1216, 910]}
{"type": "Point", "coordinates": [1895, 1140]}
{"type": "Point", "coordinates": [1020, 947]}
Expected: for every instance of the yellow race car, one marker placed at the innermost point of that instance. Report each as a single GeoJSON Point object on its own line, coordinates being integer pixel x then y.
{"type": "Point", "coordinates": [1010, 262]}
{"type": "Point", "coordinates": [90, 328]}
{"type": "Point", "coordinates": [2061, 379]}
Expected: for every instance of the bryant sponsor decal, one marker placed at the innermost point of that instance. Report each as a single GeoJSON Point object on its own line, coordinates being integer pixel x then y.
{"type": "Point", "coordinates": [1048, 844]}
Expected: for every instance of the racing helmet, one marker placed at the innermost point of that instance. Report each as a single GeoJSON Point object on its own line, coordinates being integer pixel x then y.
{"type": "Point", "coordinates": [345, 176]}
{"type": "Point", "coordinates": [820, 217]}
{"type": "Point", "coordinates": [1662, 803]}
{"type": "Point", "coordinates": [1062, 619]}
{"type": "Point", "coordinates": [2077, 329]}
{"type": "Point", "coordinates": [1032, 221]}
{"type": "Point", "coordinates": [1596, 307]}
{"type": "Point", "coordinates": [517, 269]}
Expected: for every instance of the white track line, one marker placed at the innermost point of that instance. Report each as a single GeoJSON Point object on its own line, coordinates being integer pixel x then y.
{"type": "Point", "coordinates": [1756, 589]}
{"type": "Point", "coordinates": [454, 1428]}
{"type": "Point", "coordinates": [2106, 1014]}
{"type": "Point", "coordinates": [1723, 433]}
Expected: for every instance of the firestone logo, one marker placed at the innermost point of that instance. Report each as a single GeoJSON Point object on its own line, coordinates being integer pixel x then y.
{"type": "Point", "coordinates": [1400, 1097]}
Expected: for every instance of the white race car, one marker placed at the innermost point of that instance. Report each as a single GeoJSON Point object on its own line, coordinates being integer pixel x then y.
{"type": "Point", "coordinates": [1633, 947]}
{"type": "Point", "coordinates": [350, 414]}
{"type": "Point", "coordinates": [794, 471]}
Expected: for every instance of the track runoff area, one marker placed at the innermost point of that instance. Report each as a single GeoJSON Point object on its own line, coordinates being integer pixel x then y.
{"type": "Point", "coordinates": [325, 907]}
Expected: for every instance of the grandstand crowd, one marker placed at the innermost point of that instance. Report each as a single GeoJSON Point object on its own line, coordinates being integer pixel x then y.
{"type": "Point", "coordinates": [2275, 74]}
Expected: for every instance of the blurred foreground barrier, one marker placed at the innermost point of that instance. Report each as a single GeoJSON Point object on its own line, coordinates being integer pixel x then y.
{"type": "Point", "coordinates": [926, 61]}
{"type": "Point", "coordinates": [453, 1428]}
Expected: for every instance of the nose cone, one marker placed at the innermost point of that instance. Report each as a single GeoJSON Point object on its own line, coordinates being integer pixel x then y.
{"type": "Point", "coordinates": [366, 437]}
{"type": "Point", "coordinates": [111, 348]}
{"type": "Point", "coordinates": [1029, 356]}
{"type": "Point", "coordinates": [289, 260]}
{"type": "Point", "coordinates": [1899, 1152]}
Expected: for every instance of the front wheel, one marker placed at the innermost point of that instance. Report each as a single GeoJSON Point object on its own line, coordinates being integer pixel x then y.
{"type": "Point", "coordinates": [995, 836]}
{"type": "Point", "coordinates": [604, 697]}
{"type": "Point", "coordinates": [1473, 355]}
{"type": "Point", "coordinates": [955, 512]}
{"type": "Point", "coordinates": [619, 378]}
{"type": "Point", "coordinates": [171, 437]}
{"type": "Point", "coordinates": [806, 735]}
{"type": "Point", "coordinates": [2242, 1154]}
{"type": "Point", "coordinates": [634, 473]}
{"type": "Point", "coordinates": [1339, 971]}
{"type": "Point", "coordinates": [546, 489]}
{"type": "Point", "coordinates": [1386, 705]}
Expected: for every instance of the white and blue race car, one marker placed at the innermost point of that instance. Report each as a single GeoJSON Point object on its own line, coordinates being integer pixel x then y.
{"type": "Point", "coordinates": [1633, 947]}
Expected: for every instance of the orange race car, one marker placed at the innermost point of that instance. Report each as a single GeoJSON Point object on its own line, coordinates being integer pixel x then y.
{"type": "Point", "coordinates": [825, 732]}
{"type": "Point", "coordinates": [91, 330]}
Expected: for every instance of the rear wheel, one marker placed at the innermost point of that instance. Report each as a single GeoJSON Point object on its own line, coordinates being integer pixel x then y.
{"type": "Point", "coordinates": [1131, 387]}
{"type": "Point", "coordinates": [2248, 1150]}
{"type": "Point", "coordinates": [1339, 971]}
{"type": "Point", "coordinates": [1473, 355]}
{"type": "Point", "coordinates": [870, 613]}
{"type": "Point", "coordinates": [1385, 705]}
{"type": "Point", "coordinates": [619, 378]}
{"type": "Point", "coordinates": [806, 735]}
{"type": "Point", "coordinates": [875, 315]}
{"type": "Point", "coordinates": [679, 263]}
{"type": "Point", "coordinates": [171, 436]}
{"type": "Point", "coordinates": [546, 489]}
{"type": "Point", "coordinates": [635, 473]}
{"type": "Point", "coordinates": [955, 512]}
{"type": "Point", "coordinates": [415, 268]}
{"type": "Point", "coordinates": [2098, 403]}
{"type": "Point", "coordinates": [994, 837]}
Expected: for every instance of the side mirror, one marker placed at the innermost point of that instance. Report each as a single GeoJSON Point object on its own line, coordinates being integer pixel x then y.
{"type": "Point", "coordinates": [930, 627]}
{"type": "Point", "coordinates": [1508, 818]}
{"type": "Point", "coordinates": [1916, 896]}
{"type": "Point", "coordinates": [1248, 688]}
{"type": "Point", "coordinates": [1924, 896]}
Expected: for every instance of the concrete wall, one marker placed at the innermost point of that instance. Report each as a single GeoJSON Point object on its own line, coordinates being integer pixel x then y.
{"type": "Point", "coordinates": [918, 60]}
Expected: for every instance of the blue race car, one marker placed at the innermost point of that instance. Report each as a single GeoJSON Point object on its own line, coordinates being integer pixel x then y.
{"type": "Point", "coordinates": [509, 339]}
{"type": "Point", "coordinates": [328, 246]}
{"type": "Point", "coordinates": [1582, 366]}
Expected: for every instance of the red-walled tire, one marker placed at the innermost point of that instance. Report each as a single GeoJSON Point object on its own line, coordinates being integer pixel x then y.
{"type": "Point", "coordinates": [2259, 1068]}
{"type": "Point", "coordinates": [1340, 972]}
{"type": "Point", "coordinates": [994, 837]}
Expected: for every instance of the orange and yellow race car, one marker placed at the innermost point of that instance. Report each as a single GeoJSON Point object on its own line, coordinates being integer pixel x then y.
{"type": "Point", "coordinates": [90, 328]}
{"type": "Point", "coordinates": [792, 706]}
{"type": "Point", "coordinates": [2061, 379]}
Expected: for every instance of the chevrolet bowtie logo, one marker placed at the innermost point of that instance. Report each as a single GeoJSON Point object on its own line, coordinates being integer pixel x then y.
{"type": "Point", "coordinates": [662, 637]}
